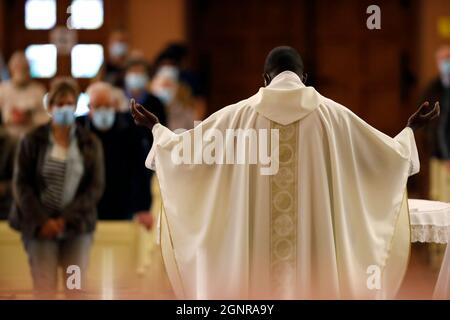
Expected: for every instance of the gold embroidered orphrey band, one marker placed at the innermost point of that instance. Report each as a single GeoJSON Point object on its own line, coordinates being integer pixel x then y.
{"type": "Point", "coordinates": [283, 214]}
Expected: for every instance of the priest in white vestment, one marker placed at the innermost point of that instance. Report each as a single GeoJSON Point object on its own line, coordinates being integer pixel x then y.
{"type": "Point", "coordinates": [324, 215]}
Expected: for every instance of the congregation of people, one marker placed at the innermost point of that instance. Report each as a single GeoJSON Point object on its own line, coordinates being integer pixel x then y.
{"type": "Point", "coordinates": [61, 171]}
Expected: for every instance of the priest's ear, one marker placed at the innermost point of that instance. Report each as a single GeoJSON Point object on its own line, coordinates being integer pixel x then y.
{"type": "Point", "coordinates": [267, 79]}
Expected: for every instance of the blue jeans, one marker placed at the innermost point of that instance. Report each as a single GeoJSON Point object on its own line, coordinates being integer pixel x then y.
{"type": "Point", "coordinates": [45, 256]}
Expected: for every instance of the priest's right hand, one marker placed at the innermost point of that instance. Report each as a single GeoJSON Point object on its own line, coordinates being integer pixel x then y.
{"type": "Point", "coordinates": [424, 115]}
{"type": "Point", "coordinates": [142, 117]}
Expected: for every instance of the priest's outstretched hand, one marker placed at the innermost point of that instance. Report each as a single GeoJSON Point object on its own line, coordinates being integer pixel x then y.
{"type": "Point", "coordinates": [142, 117]}
{"type": "Point", "coordinates": [425, 114]}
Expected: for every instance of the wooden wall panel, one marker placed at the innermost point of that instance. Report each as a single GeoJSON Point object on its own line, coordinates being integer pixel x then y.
{"type": "Point", "coordinates": [2, 25]}
{"type": "Point", "coordinates": [429, 37]}
{"type": "Point", "coordinates": [152, 24]}
{"type": "Point", "coordinates": [343, 58]}
{"type": "Point", "coordinates": [367, 70]}
{"type": "Point", "coordinates": [230, 40]}
{"type": "Point", "coordinates": [17, 37]}
{"type": "Point", "coordinates": [373, 72]}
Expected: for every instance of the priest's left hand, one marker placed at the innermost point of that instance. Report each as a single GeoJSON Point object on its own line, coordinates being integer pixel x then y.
{"type": "Point", "coordinates": [424, 115]}
{"type": "Point", "coordinates": [143, 117]}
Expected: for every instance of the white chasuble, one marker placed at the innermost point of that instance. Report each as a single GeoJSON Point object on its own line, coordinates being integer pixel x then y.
{"type": "Point", "coordinates": [322, 216]}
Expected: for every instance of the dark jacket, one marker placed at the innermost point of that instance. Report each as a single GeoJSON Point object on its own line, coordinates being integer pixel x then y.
{"type": "Point", "coordinates": [7, 151]}
{"type": "Point", "coordinates": [127, 188]}
{"type": "Point", "coordinates": [439, 131]}
{"type": "Point", "coordinates": [28, 214]}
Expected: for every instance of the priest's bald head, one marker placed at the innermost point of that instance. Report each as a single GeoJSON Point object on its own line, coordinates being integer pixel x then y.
{"type": "Point", "coordinates": [282, 59]}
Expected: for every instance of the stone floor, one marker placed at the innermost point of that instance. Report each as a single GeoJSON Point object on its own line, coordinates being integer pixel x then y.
{"type": "Point", "coordinates": [153, 282]}
{"type": "Point", "coordinates": [422, 274]}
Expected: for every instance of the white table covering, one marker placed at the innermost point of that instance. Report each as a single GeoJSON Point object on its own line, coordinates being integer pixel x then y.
{"type": "Point", "coordinates": [430, 222]}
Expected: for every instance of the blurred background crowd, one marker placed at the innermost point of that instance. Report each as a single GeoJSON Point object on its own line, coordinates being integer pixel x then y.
{"type": "Point", "coordinates": [62, 168]}
{"type": "Point", "coordinates": [70, 153]}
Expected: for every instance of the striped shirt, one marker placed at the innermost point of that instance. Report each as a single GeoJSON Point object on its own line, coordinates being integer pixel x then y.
{"type": "Point", "coordinates": [54, 173]}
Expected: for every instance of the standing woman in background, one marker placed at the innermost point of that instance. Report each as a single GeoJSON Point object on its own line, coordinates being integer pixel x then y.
{"type": "Point", "coordinates": [58, 180]}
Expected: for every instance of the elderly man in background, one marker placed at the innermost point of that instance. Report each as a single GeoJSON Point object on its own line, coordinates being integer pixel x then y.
{"type": "Point", "coordinates": [127, 183]}
{"type": "Point", "coordinates": [21, 98]}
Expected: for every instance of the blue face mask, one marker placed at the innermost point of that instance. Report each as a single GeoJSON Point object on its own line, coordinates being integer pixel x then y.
{"type": "Point", "coordinates": [135, 81]}
{"type": "Point", "coordinates": [64, 116]}
{"type": "Point", "coordinates": [444, 67]}
{"type": "Point", "coordinates": [103, 119]}
{"type": "Point", "coordinates": [118, 49]}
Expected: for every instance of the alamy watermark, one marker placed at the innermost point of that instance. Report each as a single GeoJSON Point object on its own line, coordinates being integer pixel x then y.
{"type": "Point", "coordinates": [373, 22]}
{"type": "Point", "coordinates": [373, 281]}
{"type": "Point", "coordinates": [234, 146]}
{"type": "Point", "coordinates": [73, 281]}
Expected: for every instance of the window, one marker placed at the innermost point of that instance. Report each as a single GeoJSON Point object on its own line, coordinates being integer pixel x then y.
{"type": "Point", "coordinates": [85, 14]}
{"type": "Point", "coordinates": [42, 59]}
{"type": "Point", "coordinates": [50, 58]}
{"type": "Point", "coordinates": [82, 105]}
{"type": "Point", "coordinates": [40, 14]}
{"type": "Point", "coordinates": [87, 60]}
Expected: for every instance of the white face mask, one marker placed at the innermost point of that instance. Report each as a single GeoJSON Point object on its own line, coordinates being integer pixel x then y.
{"type": "Point", "coordinates": [166, 95]}
{"type": "Point", "coordinates": [136, 81]}
{"type": "Point", "coordinates": [168, 72]}
{"type": "Point", "coordinates": [103, 118]}
{"type": "Point", "coordinates": [64, 116]}
{"type": "Point", "coordinates": [444, 70]}
{"type": "Point", "coordinates": [444, 66]}
{"type": "Point", "coordinates": [165, 84]}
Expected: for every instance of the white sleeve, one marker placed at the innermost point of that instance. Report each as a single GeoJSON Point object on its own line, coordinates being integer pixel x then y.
{"type": "Point", "coordinates": [161, 135]}
{"type": "Point", "coordinates": [150, 161]}
{"type": "Point", "coordinates": [407, 140]}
